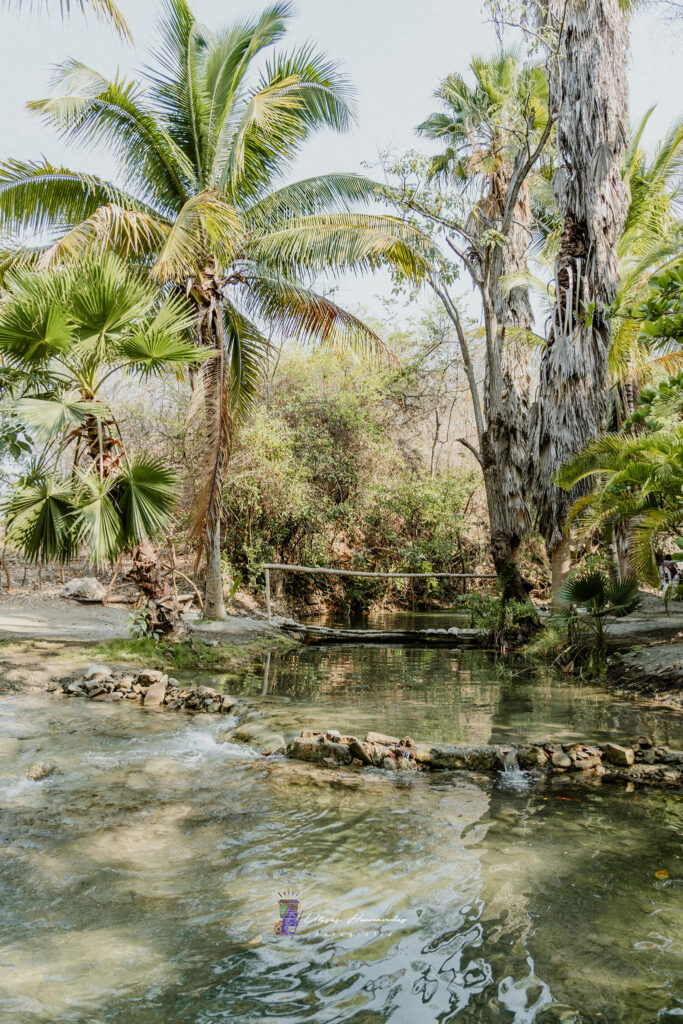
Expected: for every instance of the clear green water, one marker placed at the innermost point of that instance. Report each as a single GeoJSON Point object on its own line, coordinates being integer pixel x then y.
{"type": "Point", "coordinates": [139, 882]}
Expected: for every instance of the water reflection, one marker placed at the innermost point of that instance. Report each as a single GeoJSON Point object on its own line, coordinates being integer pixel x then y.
{"type": "Point", "coordinates": [444, 696]}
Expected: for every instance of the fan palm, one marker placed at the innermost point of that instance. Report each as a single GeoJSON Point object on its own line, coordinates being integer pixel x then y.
{"type": "Point", "coordinates": [639, 483]}
{"type": "Point", "coordinates": [588, 601]}
{"type": "Point", "coordinates": [203, 149]}
{"type": "Point", "coordinates": [106, 10]}
{"type": "Point", "coordinates": [64, 335]}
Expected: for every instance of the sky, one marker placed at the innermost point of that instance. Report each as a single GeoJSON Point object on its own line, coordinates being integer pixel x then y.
{"type": "Point", "coordinates": [395, 52]}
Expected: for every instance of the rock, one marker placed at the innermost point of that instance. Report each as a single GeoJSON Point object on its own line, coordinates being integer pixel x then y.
{"type": "Point", "coordinates": [532, 757]}
{"type": "Point", "coordinates": [76, 689]}
{"type": "Point", "coordinates": [147, 676]}
{"type": "Point", "coordinates": [40, 770]}
{"type": "Point", "coordinates": [668, 756]}
{"type": "Point", "coordinates": [227, 703]}
{"type": "Point", "coordinates": [485, 758]}
{"type": "Point", "coordinates": [389, 764]}
{"type": "Point", "coordinates": [333, 735]}
{"type": "Point", "coordinates": [172, 681]}
{"type": "Point", "coordinates": [644, 743]}
{"type": "Point", "coordinates": [85, 588]}
{"type": "Point", "coordinates": [356, 763]}
{"type": "Point", "coordinates": [117, 695]}
{"type": "Point", "coordinates": [407, 742]}
{"type": "Point", "coordinates": [448, 757]}
{"type": "Point", "coordinates": [97, 672]}
{"type": "Point", "coordinates": [155, 694]}
{"type": "Point", "coordinates": [560, 760]}
{"type": "Point", "coordinates": [214, 706]}
{"type": "Point", "coordinates": [97, 692]}
{"type": "Point", "coordinates": [275, 744]}
{"type": "Point", "coordinates": [359, 752]}
{"type": "Point", "coordinates": [379, 737]}
{"type": "Point", "coordinates": [423, 755]}
{"type": "Point", "coordinates": [646, 756]}
{"type": "Point", "coordinates": [310, 750]}
{"type": "Point", "coordinates": [616, 754]}
{"type": "Point", "coordinates": [91, 684]}
{"type": "Point", "coordinates": [207, 691]}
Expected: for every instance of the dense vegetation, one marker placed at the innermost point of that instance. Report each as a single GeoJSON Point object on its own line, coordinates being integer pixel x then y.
{"type": "Point", "coordinates": [345, 455]}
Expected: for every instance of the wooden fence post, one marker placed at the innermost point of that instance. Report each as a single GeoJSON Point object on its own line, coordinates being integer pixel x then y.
{"type": "Point", "coordinates": [268, 610]}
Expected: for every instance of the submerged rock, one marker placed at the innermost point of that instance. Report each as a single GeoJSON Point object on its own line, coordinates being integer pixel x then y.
{"type": "Point", "coordinates": [40, 770]}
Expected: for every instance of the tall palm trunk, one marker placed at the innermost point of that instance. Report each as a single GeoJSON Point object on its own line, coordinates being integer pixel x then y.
{"type": "Point", "coordinates": [213, 385]}
{"type": "Point", "coordinates": [506, 399]}
{"type": "Point", "coordinates": [588, 87]}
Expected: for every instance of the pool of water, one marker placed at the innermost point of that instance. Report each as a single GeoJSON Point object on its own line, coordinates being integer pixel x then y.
{"type": "Point", "coordinates": [139, 883]}
{"type": "Point", "coordinates": [436, 695]}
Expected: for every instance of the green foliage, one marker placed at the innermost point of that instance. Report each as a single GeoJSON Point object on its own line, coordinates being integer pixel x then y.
{"type": "Point", "coordinates": [639, 481]}
{"type": "Point", "coordinates": [141, 623]}
{"type": "Point", "coordinates": [664, 309]}
{"type": "Point", "coordinates": [321, 474]}
{"type": "Point", "coordinates": [589, 599]}
{"type": "Point", "coordinates": [63, 334]}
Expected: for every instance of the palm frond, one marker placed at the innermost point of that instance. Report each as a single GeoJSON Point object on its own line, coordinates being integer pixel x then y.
{"type": "Point", "coordinates": [145, 493]}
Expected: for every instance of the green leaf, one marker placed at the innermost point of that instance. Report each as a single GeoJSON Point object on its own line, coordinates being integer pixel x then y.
{"type": "Point", "coordinates": [146, 496]}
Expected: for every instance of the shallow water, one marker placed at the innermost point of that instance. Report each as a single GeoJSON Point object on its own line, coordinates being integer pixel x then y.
{"type": "Point", "coordinates": [139, 882]}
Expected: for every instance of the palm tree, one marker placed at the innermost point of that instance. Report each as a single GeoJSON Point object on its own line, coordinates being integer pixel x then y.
{"type": "Point", "coordinates": [106, 10]}
{"type": "Point", "coordinates": [64, 335]}
{"type": "Point", "coordinates": [203, 149]}
{"type": "Point", "coordinates": [482, 125]}
{"type": "Point", "coordinates": [588, 87]}
{"type": "Point", "coordinates": [640, 483]}
{"type": "Point", "coordinates": [588, 601]}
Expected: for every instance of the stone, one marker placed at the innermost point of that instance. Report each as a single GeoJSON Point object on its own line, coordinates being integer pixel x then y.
{"type": "Point", "coordinates": [97, 692]}
{"type": "Point", "coordinates": [97, 672]}
{"type": "Point", "coordinates": [333, 735]}
{"type": "Point", "coordinates": [117, 695]}
{"type": "Point", "coordinates": [214, 706]}
{"type": "Point", "coordinates": [644, 743]}
{"type": "Point", "coordinates": [40, 770]}
{"type": "Point", "coordinates": [485, 758]}
{"type": "Point", "coordinates": [448, 757]}
{"type": "Point", "coordinates": [310, 750]}
{"type": "Point", "coordinates": [227, 703]}
{"type": "Point", "coordinates": [155, 694]}
{"type": "Point", "coordinates": [389, 764]}
{"type": "Point", "coordinates": [131, 695]}
{"type": "Point", "coordinates": [560, 760]}
{"type": "Point", "coordinates": [357, 763]}
{"type": "Point", "coordinates": [423, 755]}
{"type": "Point", "coordinates": [75, 689]}
{"type": "Point", "coordinates": [274, 744]}
{"type": "Point", "coordinates": [359, 752]}
{"type": "Point", "coordinates": [207, 690]}
{"type": "Point", "coordinates": [85, 588]}
{"type": "Point", "coordinates": [532, 757]}
{"type": "Point", "coordinates": [379, 737]}
{"type": "Point", "coordinates": [668, 756]}
{"type": "Point", "coordinates": [646, 756]}
{"type": "Point", "coordinates": [407, 742]}
{"type": "Point", "coordinates": [616, 754]}
{"type": "Point", "coordinates": [91, 684]}
{"type": "Point", "coordinates": [147, 676]}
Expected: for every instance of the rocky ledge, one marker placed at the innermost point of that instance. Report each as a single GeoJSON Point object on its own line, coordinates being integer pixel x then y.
{"type": "Point", "coordinates": [150, 687]}
{"type": "Point", "coordinates": [642, 762]}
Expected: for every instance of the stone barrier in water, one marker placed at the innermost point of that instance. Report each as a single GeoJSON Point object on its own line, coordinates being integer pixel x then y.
{"type": "Point", "coordinates": [642, 762]}
{"type": "Point", "coordinates": [150, 687]}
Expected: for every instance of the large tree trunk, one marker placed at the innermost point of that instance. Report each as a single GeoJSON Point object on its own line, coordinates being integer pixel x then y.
{"type": "Point", "coordinates": [588, 86]}
{"type": "Point", "coordinates": [506, 402]}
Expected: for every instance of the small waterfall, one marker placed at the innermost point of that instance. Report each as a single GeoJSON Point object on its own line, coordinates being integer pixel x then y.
{"type": "Point", "coordinates": [512, 776]}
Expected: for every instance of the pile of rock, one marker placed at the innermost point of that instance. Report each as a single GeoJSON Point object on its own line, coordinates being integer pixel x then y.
{"type": "Point", "coordinates": [642, 762]}
{"type": "Point", "coordinates": [150, 687]}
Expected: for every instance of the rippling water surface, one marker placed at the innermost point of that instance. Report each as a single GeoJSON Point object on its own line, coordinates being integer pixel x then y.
{"type": "Point", "coordinates": [139, 881]}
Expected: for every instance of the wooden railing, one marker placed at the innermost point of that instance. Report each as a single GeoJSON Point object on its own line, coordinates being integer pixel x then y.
{"type": "Point", "coordinates": [268, 567]}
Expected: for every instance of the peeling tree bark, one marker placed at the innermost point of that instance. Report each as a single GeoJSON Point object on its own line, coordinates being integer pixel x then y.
{"type": "Point", "coordinates": [589, 88]}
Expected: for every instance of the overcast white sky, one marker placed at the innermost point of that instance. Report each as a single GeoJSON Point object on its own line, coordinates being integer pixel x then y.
{"type": "Point", "coordinates": [394, 51]}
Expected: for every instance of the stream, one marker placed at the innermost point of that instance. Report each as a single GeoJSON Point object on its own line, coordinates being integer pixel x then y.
{"type": "Point", "coordinates": [139, 882]}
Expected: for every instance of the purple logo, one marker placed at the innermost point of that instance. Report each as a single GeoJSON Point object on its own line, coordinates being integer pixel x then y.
{"type": "Point", "coordinates": [289, 914]}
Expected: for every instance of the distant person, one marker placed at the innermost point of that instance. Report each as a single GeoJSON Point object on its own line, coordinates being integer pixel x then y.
{"type": "Point", "coordinates": [668, 573]}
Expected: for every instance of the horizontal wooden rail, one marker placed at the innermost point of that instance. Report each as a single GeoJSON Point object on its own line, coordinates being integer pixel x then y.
{"type": "Point", "coordinates": [354, 572]}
